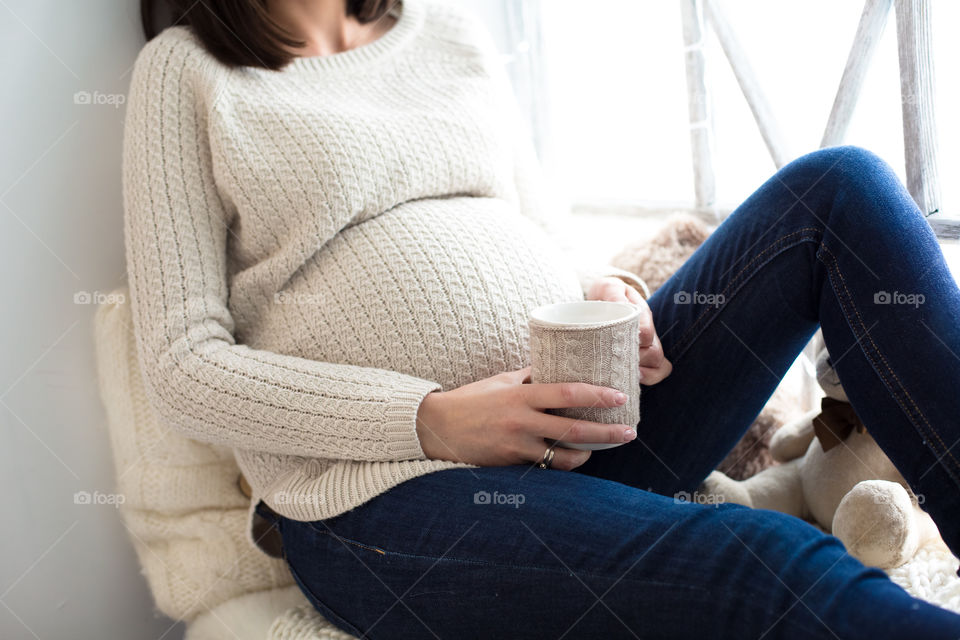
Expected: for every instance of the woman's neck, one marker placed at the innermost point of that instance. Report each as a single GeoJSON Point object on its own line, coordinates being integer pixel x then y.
{"type": "Point", "coordinates": [324, 25]}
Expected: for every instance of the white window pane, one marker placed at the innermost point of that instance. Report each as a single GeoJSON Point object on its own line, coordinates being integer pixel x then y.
{"type": "Point", "coordinates": [618, 98]}
{"type": "Point", "coordinates": [618, 110]}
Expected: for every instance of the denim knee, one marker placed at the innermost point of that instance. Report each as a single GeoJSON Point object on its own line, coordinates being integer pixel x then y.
{"type": "Point", "coordinates": [852, 168]}
{"type": "Point", "coordinates": [865, 189]}
{"type": "Point", "coordinates": [792, 544]}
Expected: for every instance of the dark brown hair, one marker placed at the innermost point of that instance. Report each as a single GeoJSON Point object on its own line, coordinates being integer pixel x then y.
{"type": "Point", "coordinates": [240, 32]}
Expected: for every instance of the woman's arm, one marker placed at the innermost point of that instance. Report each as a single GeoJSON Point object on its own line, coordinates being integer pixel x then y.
{"type": "Point", "coordinates": [199, 379]}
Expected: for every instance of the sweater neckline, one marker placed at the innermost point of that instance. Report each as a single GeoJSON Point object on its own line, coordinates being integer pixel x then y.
{"type": "Point", "coordinates": [408, 22]}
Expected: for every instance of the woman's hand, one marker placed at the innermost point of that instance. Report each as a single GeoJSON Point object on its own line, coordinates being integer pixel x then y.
{"type": "Point", "coordinates": [654, 366]}
{"type": "Point", "coordinates": [500, 421]}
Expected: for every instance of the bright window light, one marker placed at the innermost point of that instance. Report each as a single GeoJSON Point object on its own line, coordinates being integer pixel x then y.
{"type": "Point", "coordinates": [617, 97]}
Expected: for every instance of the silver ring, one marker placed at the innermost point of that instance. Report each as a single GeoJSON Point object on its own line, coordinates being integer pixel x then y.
{"type": "Point", "coordinates": [547, 458]}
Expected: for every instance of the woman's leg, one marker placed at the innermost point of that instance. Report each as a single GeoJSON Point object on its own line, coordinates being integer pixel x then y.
{"type": "Point", "coordinates": [509, 552]}
{"type": "Point", "coordinates": [834, 239]}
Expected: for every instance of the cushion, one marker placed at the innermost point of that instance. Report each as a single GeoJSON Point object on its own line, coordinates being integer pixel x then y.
{"type": "Point", "coordinates": [183, 508]}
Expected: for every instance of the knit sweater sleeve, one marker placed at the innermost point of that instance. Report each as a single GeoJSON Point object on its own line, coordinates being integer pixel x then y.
{"type": "Point", "coordinates": [199, 379]}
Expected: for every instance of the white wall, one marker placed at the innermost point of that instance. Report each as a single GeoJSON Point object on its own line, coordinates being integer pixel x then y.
{"type": "Point", "coordinates": [66, 570]}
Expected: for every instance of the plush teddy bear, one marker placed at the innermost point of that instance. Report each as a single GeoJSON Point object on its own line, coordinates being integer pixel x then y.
{"type": "Point", "coordinates": [834, 474]}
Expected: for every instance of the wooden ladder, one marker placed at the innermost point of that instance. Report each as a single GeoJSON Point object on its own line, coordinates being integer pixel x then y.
{"type": "Point", "coordinates": [916, 91]}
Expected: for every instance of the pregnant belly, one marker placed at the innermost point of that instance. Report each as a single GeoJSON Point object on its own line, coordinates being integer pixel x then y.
{"type": "Point", "coordinates": [440, 289]}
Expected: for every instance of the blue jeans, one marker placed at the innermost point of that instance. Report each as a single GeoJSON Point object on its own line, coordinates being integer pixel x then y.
{"type": "Point", "coordinates": [607, 551]}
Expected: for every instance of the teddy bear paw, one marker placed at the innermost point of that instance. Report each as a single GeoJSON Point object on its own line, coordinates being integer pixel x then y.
{"type": "Point", "coordinates": [875, 521]}
{"type": "Point", "coordinates": [722, 488]}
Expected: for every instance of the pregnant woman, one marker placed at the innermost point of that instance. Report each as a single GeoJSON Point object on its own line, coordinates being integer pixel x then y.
{"type": "Point", "coordinates": [335, 234]}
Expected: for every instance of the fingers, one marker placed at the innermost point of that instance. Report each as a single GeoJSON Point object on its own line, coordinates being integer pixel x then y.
{"type": "Point", "coordinates": [614, 289]}
{"type": "Point", "coordinates": [580, 431]}
{"type": "Point", "coordinates": [563, 459]}
{"type": "Point", "coordinates": [634, 296]}
{"type": "Point", "coordinates": [650, 376]}
{"type": "Point", "coordinates": [654, 366]}
{"type": "Point", "coordinates": [520, 376]}
{"type": "Point", "coordinates": [648, 334]}
{"type": "Point", "coordinates": [563, 395]}
{"type": "Point", "coordinates": [651, 355]}
{"type": "Point", "coordinates": [610, 289]}
{"type": "Point", "coordinates": [653, 376]}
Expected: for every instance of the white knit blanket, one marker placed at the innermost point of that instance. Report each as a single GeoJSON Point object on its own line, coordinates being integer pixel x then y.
{"type": "Point", "coordinates": [931, 575]}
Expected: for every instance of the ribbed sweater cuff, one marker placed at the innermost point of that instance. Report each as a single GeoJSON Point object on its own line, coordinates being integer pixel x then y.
{"type": "Point", "coordinates": [401, 418]}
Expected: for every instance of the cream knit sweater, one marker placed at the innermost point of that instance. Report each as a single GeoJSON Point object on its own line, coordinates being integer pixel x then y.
{"type": "Point", "coordinates": [312, 251]}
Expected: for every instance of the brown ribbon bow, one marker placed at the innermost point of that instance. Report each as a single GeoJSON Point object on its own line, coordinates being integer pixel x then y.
{"type": "Point", "coordinates": [835, 422]}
